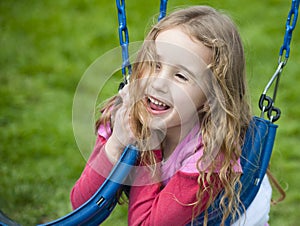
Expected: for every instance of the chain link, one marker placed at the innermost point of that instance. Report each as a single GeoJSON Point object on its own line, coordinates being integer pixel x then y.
{"type": "Point", "coordinates": [266, 103]}
{"type": "Point", "coordinates": [290, 26]}
{"type": "Point", "coordinates": [124, 39]}
{"type": "Point", "coordinates": [163, 9]}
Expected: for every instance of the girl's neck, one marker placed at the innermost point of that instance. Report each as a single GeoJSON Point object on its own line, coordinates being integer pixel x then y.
{"type": "Point", "coordinates": [173, 137]}
{"type": "Point", "coordinates": [168, 146]}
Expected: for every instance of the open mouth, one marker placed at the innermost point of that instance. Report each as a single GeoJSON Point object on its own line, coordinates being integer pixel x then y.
{"type": "Point", "coordinates": [156, 106]}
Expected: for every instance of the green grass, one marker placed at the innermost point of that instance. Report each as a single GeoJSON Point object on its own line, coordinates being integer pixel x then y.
{"type": "Point", "coordinates": [46, 46]}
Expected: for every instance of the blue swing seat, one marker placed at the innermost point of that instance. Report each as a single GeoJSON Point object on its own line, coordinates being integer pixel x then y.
{"type": "Point", "coordinates": [101, 204]}
{"type": "Point", "coordinates": [256, 154]}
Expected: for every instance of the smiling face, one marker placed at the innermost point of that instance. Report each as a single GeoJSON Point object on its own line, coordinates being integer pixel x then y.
{"type": "Point", "coordinates": [174, 95]}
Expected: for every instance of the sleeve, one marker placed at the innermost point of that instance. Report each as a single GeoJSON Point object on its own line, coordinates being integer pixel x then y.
{"type": "Point", "coordinates": [94, 174]}
{"type": "Point", "coordinates": [172, 205]}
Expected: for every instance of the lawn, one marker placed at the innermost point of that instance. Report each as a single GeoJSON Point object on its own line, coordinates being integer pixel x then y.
{"type": "Point", "coordinates": [46, 49]}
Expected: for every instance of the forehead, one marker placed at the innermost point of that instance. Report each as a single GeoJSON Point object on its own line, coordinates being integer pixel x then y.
{"type": "Point", "coordinates": [176, 47]}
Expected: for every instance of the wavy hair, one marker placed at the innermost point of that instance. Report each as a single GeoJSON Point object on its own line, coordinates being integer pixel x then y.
{"type": "Point", "coordinates": [226, 114]}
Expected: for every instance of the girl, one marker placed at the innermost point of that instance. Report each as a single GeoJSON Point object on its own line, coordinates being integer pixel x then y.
{"type": "Point", "coordinates": [186, 110]}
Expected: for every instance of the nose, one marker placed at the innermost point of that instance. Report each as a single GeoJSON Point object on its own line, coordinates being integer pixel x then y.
{"type": "Point", "coordinates": [160, 82]}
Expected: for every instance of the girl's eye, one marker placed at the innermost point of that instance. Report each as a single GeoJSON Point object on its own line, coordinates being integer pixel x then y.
{"type": "Point", "coordinates": [181, 77]}
{"type": "Point", "coordinates": [157, 66]}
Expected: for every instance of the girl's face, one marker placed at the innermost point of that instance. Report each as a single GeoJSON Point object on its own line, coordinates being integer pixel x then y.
{"type": "Point", "coordinates": [174, 95]}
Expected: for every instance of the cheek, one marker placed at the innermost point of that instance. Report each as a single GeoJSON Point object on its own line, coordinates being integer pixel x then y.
{"type": "Point", "coordinates": [195, 97]}
{"type": "Point", "coordinates": [186, 107]}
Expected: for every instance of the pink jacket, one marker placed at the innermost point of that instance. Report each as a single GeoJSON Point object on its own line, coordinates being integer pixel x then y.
{"type": "Point", "coordinates": [163, 202]}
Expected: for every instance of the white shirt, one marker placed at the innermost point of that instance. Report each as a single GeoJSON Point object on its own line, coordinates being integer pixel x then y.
{"type": "Point", "coordinates": [257, 213]}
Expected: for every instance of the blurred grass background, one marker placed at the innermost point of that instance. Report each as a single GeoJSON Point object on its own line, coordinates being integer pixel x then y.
{"type": "Point", "coordinates": [45, 48]}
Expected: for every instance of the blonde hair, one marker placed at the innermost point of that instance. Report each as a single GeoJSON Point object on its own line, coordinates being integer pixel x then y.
{"type": "Point", "coordinates": [227, 110]}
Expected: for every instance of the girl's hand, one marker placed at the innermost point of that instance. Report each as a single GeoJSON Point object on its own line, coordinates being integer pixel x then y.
{"type": "Point", "coordinates": [122, 133]}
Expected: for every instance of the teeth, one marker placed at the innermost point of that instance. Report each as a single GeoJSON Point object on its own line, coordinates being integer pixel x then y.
{"type": "Point", "coordinates": [157, 102]}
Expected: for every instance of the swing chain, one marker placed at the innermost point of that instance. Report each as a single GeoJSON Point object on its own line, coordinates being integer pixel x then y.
{"type": "Point", "coordinates": [290, 26]}
{"type": "Point", "coordinates": [124, 41]}
{"type": "Point", "coordinates": [124, 37]}
{"type": "Point", "coordinates": [163, 9]}
{"type": "Point", "coordinates": [266, 103]}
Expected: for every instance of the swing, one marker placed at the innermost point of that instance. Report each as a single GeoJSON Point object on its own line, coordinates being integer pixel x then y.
{"type": "Point", "coordinates": [256, 151]}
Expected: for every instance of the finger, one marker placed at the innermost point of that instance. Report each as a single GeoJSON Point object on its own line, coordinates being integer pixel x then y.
{"type": "Point", "coordinates": [134, 91]}
{"type": "Point", "coordinates": [124, 91]}
{"type": "Point", "coordinates": [122, 128]}
{"type": "Point", "coordinates": [125, 96]}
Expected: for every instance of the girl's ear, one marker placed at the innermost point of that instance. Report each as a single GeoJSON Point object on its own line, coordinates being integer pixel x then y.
{"type": "Point", "coordinates": [202, 110]}
{"type": "Point", "coordinates": [206, 107]}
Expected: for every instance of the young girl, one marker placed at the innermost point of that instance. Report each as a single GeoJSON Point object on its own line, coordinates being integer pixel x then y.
{"type": "Point", "coordinates": [186, 110]}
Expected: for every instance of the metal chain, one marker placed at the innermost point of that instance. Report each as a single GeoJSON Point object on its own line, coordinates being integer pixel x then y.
{"type": "Point", "coordinates": [266, 103]}
{"type": "Point", "coordinates": [163, 9]}
{"type": "Point", "coordinates": [124, 41]}
{"type": "Point", "coordinates": [290, 26]}
{"type": "Point", "coordinates": [124, 37]}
